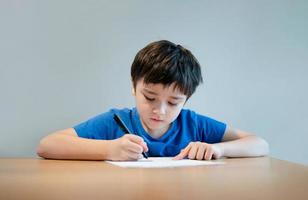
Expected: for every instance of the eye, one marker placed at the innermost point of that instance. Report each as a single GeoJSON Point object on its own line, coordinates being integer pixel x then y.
{"type": "Point", "coordinates": [172, 104]}
{"type": "Point", "coordinates": [148, 98]}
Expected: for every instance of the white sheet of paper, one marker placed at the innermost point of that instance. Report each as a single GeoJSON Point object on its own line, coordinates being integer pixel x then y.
{"type": "Point", "coordinates": [163, 162]}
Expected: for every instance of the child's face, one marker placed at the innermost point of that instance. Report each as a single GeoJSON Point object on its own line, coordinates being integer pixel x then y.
{"type": "Point", "coordinates": [158, 106]}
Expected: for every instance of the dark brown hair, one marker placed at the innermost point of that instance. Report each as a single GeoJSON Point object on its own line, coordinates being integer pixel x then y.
{"type": "Point", "coordinates": [166, 63]}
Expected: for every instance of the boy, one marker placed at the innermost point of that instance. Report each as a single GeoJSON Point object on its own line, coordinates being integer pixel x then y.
{"type": "Point", "coordinates": [164, 76]}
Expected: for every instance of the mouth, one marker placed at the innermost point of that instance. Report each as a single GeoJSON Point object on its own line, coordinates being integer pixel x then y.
{"type": "Point", "coordinates": [156, 120]}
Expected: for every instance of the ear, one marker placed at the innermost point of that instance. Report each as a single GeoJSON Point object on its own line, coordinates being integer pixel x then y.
{"type": "Point", "coordinates": [133, 91]}
{"type": "Point", "coordinates": [133, 88]}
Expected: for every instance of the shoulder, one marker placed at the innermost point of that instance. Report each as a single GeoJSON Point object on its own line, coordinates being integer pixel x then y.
{"type": "Point", "coordinates": [187, 114]}
{"type": "Point", "coordinates": [110, 113]}
{"type": "Point", "coordinates": [209, 130]}
{"type": "Point", "coordinates": [197, 119]}
{"type": "Point", "coordinates": [120, 110]}
{"type": "Point", "coordinates": [192, 115]}
{"type": "Point", "coordinates": [188, 117]}
{"type": "Point", "coordinates": [124, 113]}
{"type": "Point", "coordinates": [106, 118]}
{"type": "Point", "coordinates": [101, 124]}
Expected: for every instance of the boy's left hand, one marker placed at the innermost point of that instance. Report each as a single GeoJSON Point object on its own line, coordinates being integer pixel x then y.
{"type": "Point", "coordinates": [200, 151]}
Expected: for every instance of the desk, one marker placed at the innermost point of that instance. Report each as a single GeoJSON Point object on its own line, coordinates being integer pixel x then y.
{"type": "Point", "coordinates": [245, 178]}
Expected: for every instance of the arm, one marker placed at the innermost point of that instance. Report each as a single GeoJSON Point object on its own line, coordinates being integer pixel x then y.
{"type": "Point", "coordinates": [66, 144]}
{"type": "Point", "coordinates": [237, 143]}
{"type": "Point", "coordinates": [234, 144]}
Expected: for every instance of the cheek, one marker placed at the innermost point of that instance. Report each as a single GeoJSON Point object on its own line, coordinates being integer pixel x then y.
{"type": "Point", "coordinates": [140, 102]}
{"type": "Point", "coordinates": [144, 107]}
{"type": "Point", "coordinates": [174, 113]}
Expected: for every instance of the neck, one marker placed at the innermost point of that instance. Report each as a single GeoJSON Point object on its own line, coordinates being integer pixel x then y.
{"type": "Point", "coordinates": [155, 133]}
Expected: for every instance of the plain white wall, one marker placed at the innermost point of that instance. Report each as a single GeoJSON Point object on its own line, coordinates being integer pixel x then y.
{"type": "Point", "coordinates": [62, 62]}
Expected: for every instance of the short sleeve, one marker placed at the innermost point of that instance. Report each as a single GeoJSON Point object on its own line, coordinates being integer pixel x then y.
{"type": "Point", "coordinates": [211, 130]}
{"type": "Point", "coordinates": [98, 127]}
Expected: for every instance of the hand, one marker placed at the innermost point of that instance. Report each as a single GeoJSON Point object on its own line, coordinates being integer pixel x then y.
{"type": "Point", "coordinates": [200, 151]}
{"type": "Point", "coordinates": [127, 147]}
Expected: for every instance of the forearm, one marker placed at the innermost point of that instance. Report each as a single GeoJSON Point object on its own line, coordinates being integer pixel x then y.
{"type": "Point", "coordinates": [249, 146]}
{"type": "Point", "coordinates": [57, 146]}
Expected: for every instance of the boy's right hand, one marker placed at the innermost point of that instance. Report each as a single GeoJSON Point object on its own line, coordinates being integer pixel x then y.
{"type": "Point", "coordinates": [127, 147]}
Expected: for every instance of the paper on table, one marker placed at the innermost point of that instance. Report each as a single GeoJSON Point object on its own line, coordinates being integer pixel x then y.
{"type": "Point", "coordinates": [162, 162]}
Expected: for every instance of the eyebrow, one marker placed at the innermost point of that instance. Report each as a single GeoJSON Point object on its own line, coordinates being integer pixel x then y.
{"type": "Point", "coordinates": [154, 93]}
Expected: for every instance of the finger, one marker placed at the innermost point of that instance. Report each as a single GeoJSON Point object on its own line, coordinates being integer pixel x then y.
{"type": "Point", "coordinates": [132, 155]}
{"type": "Point", "coordinates": [138, 140]}
{"type": "Point", "coordinates": [215, 156]}
{"type": "Point", "coordinates": [136, 148]}
{"type": "Point", "coordinates": [183, 153]}
{"type": "Point", "coordinates": [145, 147]}
{"type": "Point", "coordinates": [200, 152]}
{"type": "Point", "coordinates": [193, 152]}
{"type": "Point", "coordinates": [134, 138]}
{"type": "Point", "coordinates": [208, 154]}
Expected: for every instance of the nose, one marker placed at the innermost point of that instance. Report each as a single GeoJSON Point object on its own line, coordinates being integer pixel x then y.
{"type": "Point", "coordinates": [160, 109]}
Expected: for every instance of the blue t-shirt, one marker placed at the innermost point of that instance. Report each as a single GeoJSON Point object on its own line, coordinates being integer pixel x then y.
{"type": "Point", "coordinates": [188, 127]}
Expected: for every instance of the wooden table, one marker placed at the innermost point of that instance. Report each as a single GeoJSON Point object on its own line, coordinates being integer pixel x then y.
{"type": "Point", "coordinates": [245, 178]}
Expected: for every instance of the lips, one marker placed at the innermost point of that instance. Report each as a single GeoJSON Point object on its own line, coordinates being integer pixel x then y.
{"type": "Point", "coordinates": [157, 119]}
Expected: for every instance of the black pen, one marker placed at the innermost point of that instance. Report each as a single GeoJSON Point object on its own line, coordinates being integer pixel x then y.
{"type": "Point", "coordinates": [125, 129]}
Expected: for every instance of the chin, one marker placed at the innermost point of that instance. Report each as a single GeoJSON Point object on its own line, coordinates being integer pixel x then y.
{"type": "Point", "coordinates": [156, 126]}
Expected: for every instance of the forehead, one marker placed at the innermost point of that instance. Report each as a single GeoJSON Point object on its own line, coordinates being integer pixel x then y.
{"type": "Point", "coordinates": [158, 88]}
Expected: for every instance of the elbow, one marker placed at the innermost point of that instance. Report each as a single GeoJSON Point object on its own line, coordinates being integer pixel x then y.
{"type": "Point", "coordinates": [42, 149]}
{"type": "Point", "coordinates": [267, 148]}
{"type": "Point", "coordinates": [264, 147]}
{"type": "Point", "coordinates": [259, 147]}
